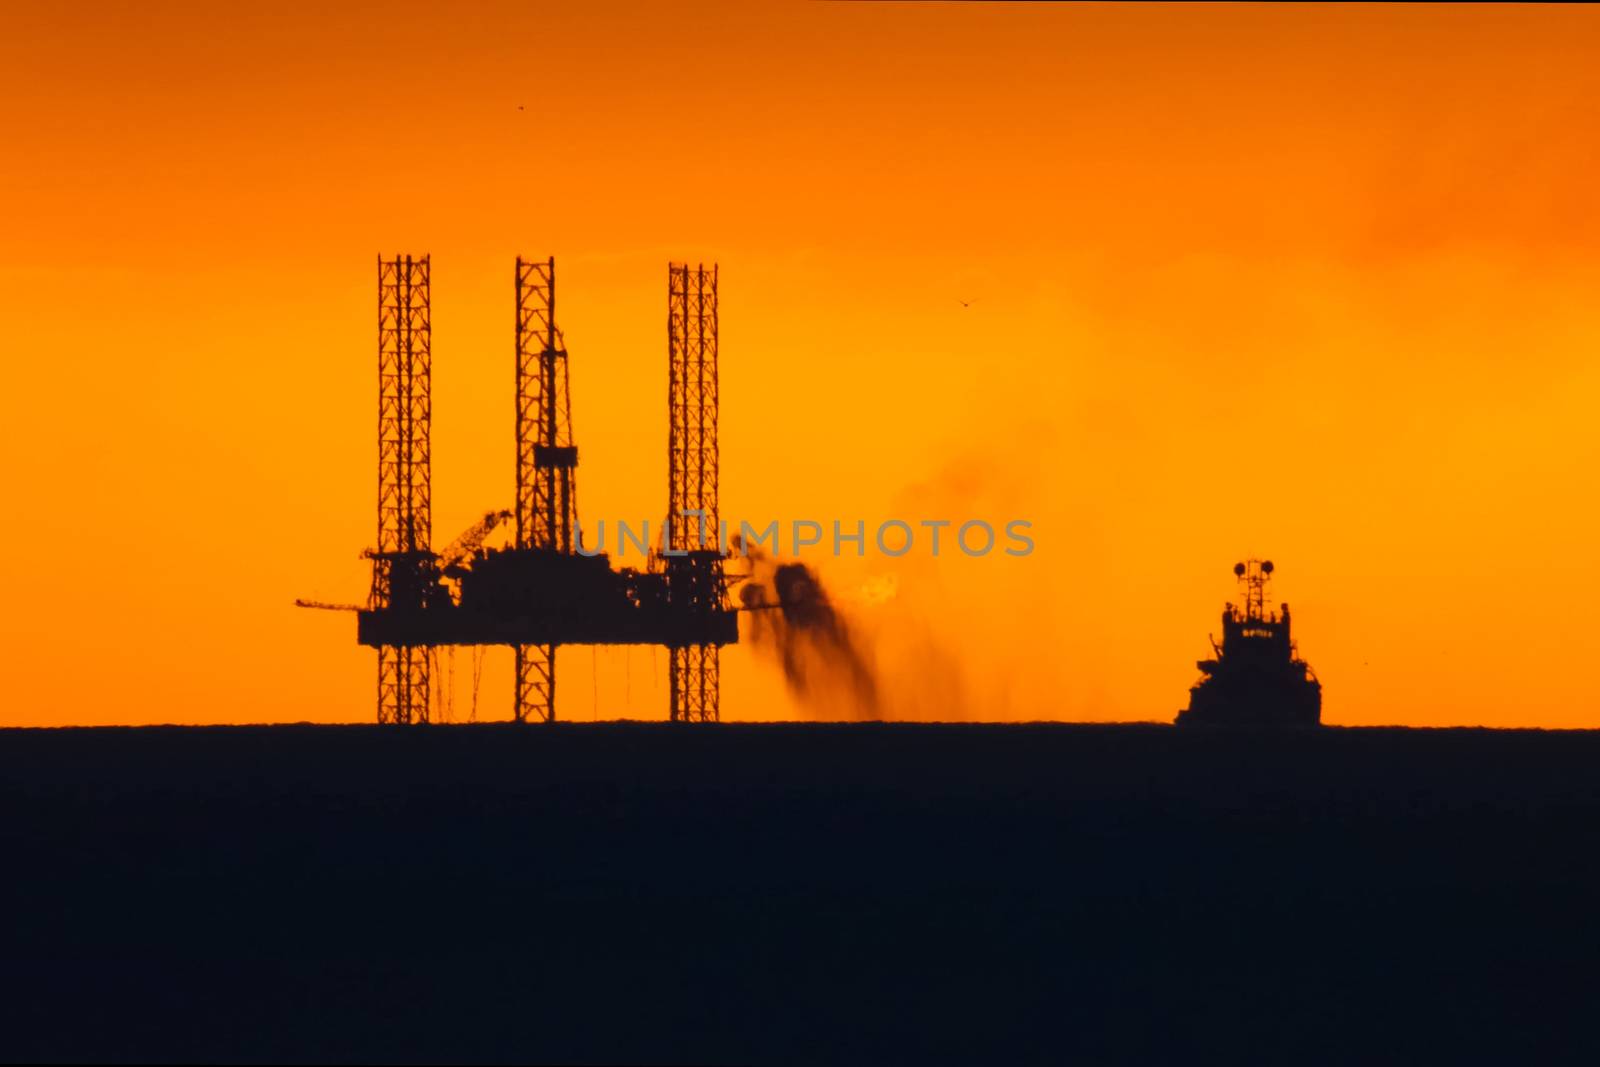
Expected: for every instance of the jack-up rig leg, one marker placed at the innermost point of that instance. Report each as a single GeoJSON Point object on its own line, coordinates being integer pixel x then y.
{"type": "Point", "coordinates": [696, 586]}
{"type": "Point", "coordinates": [536, 684]}
{"type": "Point", "coordinates": [403, 565]}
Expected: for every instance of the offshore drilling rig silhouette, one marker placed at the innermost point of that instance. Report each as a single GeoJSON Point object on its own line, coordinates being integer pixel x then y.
{"type": "Point", "coordinates": [540, 592]}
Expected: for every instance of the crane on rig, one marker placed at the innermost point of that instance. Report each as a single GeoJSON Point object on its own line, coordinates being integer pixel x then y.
{"type": "Point", "coordinates": [450, 563]}
{"type": "Point", "coordinates": [453, 561]}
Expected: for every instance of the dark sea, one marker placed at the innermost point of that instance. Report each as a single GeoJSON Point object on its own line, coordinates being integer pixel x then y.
{"type": "Point", "coordinates": [872, 893]}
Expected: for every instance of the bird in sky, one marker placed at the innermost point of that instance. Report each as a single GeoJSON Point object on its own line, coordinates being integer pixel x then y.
{"type": "Point", "coordinates": [968, 303]}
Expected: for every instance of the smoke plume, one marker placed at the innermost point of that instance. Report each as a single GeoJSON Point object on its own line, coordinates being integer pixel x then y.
{"type": "Point", "coordinates": [826, 664]}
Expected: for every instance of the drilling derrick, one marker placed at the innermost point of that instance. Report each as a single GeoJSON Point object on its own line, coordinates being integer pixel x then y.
{"type": "Point", "coordinates": [403, 578]}
{"type": "Point", "coordinates": [547, 460]}
{"type": "Point", "coordinates": [692, 554]}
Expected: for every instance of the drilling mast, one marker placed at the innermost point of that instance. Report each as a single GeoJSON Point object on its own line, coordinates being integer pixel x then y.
{"type": "Point", "coordinates": [692, 547]}
{"type": "Point", "coordinates": [547, 460]}
{"type": "Point", "coordinates": [403, 564]}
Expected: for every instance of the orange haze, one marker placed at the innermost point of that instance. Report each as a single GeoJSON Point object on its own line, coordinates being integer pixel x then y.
{"type": "Point", "coordinates": [1313, 283]}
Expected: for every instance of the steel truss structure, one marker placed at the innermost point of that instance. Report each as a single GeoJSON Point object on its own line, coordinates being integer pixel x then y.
{"type": "Point", "coordinates": [547, 460]}
{"type": "Point", "coordinates": [692, 545]}
{"type": "Point", "coordinates": [402, 564]}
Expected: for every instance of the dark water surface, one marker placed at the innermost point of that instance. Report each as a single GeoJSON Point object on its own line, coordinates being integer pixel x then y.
{"type": "Point", "coordinates": [800, 894]}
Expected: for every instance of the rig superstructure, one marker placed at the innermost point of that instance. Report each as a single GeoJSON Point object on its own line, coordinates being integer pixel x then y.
{"type": "Point", "coordinates": [541, 592]}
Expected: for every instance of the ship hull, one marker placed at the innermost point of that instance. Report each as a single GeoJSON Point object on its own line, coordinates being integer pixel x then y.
{"type": "Point", "coordinates": [1291, 703]}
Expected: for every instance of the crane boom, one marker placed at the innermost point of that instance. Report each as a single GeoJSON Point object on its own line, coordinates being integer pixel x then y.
{"type": "Point", "coordinates": [472, 538]}
{"type": "Point", "coordinates": [301, 602]}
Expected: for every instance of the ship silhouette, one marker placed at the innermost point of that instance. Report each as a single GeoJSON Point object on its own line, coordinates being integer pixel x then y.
{"type": "Point", "coordinates": [1256, 678]}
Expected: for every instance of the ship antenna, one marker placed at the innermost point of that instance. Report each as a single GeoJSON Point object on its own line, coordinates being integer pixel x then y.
{"type": "Point", "coordinates": [1254, 575]}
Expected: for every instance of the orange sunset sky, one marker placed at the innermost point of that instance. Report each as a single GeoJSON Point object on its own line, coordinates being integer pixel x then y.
{"type": "Point", "coordinates": [1317, 284]}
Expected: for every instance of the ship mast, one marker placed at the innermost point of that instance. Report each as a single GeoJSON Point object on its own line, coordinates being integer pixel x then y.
{"type": "Point", "coordinates": [1254, 574]}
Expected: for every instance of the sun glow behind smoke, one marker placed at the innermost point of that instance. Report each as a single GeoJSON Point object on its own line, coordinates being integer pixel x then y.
{"type": "Point", "coordinates": [884, 649]}
{"type": "Point", "coordinates": [826, 663]}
